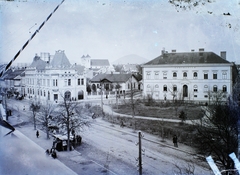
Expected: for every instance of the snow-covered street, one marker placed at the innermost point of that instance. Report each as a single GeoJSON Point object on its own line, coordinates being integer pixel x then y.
{"type": "Point", "coordinates": [111, 149]}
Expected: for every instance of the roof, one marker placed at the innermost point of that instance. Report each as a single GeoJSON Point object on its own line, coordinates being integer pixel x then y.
{"type": "Point", "coordinates": [188, 58]}
{"type": "Point", "coordinates": [60, 59]}
{"type": "Point", "coordinates": [79, 68]}
{"type": "Point", "coordinates": [38, 63]}
{"type": "Point", "coordinates": [115, 78]}
{"type": "Point", "coordinates": [100, 62]}
{"type": "Point", "coordinates": [13, 73]}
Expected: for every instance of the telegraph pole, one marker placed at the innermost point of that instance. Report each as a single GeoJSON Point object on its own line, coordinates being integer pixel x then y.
{"type": "Point", "coordinates": [140, 152]}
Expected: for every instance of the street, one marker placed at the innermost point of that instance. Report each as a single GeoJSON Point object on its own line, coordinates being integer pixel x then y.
{"type": "Point", "coordinates": [114, 150]}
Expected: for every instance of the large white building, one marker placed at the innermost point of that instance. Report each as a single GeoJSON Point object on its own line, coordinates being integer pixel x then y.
{"type": "Point", "coordinates": [189, 76]}
{"type": "Point", "coordinates": [53, 79]}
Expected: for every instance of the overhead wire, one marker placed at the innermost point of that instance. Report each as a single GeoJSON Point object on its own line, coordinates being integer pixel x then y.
{"type": "Point", "coordinates": [32, 36]}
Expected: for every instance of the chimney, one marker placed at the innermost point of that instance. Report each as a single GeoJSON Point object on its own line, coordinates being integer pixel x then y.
{"type": "Point", "coordinates": [201, 49]}
{"type": "Point", "coordinates": [163, 51]}
{"type": "Point", "coordinates": [223, 54]}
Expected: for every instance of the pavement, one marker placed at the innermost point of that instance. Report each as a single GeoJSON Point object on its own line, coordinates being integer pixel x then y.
{"type": "Point", "coordinates": [75, 156]}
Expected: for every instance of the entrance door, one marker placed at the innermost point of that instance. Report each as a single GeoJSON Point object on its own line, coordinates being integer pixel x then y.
{"type": "Point", "coordinates": [185, 91]}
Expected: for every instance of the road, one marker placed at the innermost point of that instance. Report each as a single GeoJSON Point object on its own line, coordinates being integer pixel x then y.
{"type": "Point", "coordinates": [115, 149]}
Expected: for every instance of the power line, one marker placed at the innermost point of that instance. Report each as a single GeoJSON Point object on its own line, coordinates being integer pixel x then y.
{"type": "Point", "coordinates": [33, 35]}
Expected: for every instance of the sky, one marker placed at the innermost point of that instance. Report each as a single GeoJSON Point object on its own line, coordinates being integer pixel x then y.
{"type": "Point", "coordinates": [110, 29]}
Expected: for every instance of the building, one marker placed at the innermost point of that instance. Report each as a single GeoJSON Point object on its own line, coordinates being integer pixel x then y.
{"type": "Point", "coordinates": [53, 79]}
{"type": "Point", "coordinates": [95, 66]}
{"type": "Point", "coordinates": [12, 80]}
{"type": "Point", "coordinates": [197, 76]}
{"type": "Point", "coordinates": [114, 83]}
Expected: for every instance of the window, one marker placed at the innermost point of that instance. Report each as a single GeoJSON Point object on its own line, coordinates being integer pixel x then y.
{"type": "Point", "coordinates": [48, 95]}
{"type": "Point", "coordinates": [69, 82]}
{"type": "Point", "coordinates": [184, 74]}
{"type": "Point", "coordinates": [174, 88]}
{"type": "Point", "coordinates": [82, 81]}
{"type": "Point", "coordinates": [55, 97]}
{"type": "Point", "coordinates": [205, 88]}
{"type": "Point", "coordinates": [224, 75]}
{"type": "Point", "coordinates": [195, 75]}
{"type": "Point", "coordinates": [148, 75]}
{"type": "Point", "coordinates": [165, 88]}
{"type": "Point", "coordinates": [156, 75]}
{"type": "Point", "coordinates": [48, 82]}
{"type": "Point", "coordinates": [205, 75]}
{"type": "Point", "coordinates": [67, 95]}
{"type": "Point", "coordinates": [224, 89]}
{"type": "Point", "coordinates": [215, 88]}
{"type": "Point", "coordinates": [164, 75]}
{"type": "Point", "coordinates": [79, 81]}
{"type": "Point", "coordinates": [174, 74]}
{"type": "Point", "coordinates": [55, 83]}
{"type": "Point", "coordinates": [214, 75]}
{"type": "Point", "coordinates": [195, 88]}
{"type": "Point", "coordinates": [44, 93]}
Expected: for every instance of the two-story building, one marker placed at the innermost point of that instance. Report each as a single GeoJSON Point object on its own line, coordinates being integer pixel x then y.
{"type": "Point", "coordinates": [188, 75]}
{"type": "Point", "coordinates": [54, 79]}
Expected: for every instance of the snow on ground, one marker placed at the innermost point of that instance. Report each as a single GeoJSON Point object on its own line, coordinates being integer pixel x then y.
{"type": "Point", "coordinates": [108, 149]}
{"type": "Point", "coordinates": [20, 155]}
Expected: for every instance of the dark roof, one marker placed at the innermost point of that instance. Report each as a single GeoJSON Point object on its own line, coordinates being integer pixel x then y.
{"type": "Point", "coordinates": [79, 69]}
{"type": "Point", "coordinates": [11, 73]}
{"type": "Point", "coordinates": [38, 63]}
{"type": "Point", "coordinates": [115, 78]}
{"type": "Point", "coordinates": [60, 59]}
{"type": "Point", "coordinates": [187, 58]}
{"type": "Point", "coordinates": [100, 62]}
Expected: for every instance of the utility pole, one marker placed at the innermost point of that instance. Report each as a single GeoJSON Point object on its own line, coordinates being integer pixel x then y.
{"type": "Point", "coordinates": [140, 152]}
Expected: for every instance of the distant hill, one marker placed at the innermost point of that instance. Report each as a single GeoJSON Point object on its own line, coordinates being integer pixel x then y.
{"type": "Point", "coordinates": [130, 59]}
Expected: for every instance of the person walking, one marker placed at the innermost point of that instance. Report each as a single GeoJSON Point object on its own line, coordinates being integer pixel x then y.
{"type": "Point", "coordinates": [175, 140]}
{"type": "Point", "coordinates": [37, 133]}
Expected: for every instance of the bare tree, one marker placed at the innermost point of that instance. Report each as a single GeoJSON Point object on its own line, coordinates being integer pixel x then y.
{"type": "Point", "coordinates": [218, 134]}
{"type": "Point", "coordinates": [173, 91]}
{"type": "Point", "coordinates": [45, 116]}
{"type": "Point", "coordinates": [35, 107]}
{"type": "Point", "coordinates": [187, 169]}
{"type": "Point", "coordinates": [73, 118]}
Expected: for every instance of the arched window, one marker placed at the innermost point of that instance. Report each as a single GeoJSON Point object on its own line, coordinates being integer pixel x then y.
{"type": "Point", "coordinates": [184, 74]}
{"type": "Point", "coordinates": [174, 74]}
{"type": "Point", "coordinates": [215, 89]}
{"type": "Point", "coordinates": [174, 88]}
{"type": "Point", "coordinates": [224, 89]}
{"type": "Point", "coordinates": [44, 93]}
{"type": "Point", "coordinates": [165, 88]}
{"type": "Point", "coordinates": [67, 95]}
{"type": "Point", "coordinates": [195, 75]}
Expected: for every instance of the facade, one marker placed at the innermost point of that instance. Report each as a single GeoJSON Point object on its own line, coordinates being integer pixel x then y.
{"type": "Point", "coordinates": [193, 76]}
{"type": "Point", "coordinates": [54, 79]}
{"type": "Point", "coordinates": [12, 80]}
{"type": "Point", "coordinates": [114, 83]}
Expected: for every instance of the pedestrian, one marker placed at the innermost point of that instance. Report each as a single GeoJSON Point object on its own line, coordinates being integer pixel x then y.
{"type": "Point", "coordinates": [175, 140]}
{"type": "Point", "coordinates": [37, 133]}
{"type": "Point", "coordinates": [47, 152]}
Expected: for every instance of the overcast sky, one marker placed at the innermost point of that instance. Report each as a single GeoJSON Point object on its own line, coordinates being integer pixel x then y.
{"type": "Point", "coordinates": [111, 29]}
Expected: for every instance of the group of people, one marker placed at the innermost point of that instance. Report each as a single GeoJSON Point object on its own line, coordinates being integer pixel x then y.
{"type": "Point", "coordinates": [52, 153]}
